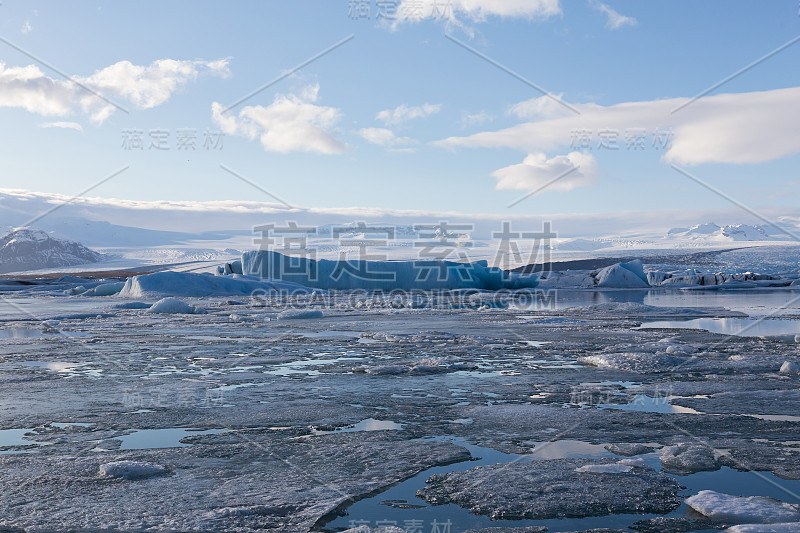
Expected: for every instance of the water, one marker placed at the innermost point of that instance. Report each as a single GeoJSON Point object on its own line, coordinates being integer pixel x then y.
{"type": "Point", "coordinates": [14, 437]}
{"type": "Point", "coordinates": [29, 333]}
{"type": "Point", "coordinates": [369, 424]}
{"type": "Point", "coordinates": [647, 404]}
{"type": "Point", "coordinates": [754, 302]}
{"type": "Point", "coordinates": [400, 506]}
{"type": "Point", "coordinates": [746, 327]}
{"type": "Point", "coordinates": [142, 439]}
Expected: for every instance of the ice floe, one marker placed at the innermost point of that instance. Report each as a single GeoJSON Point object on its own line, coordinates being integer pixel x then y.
{"type": "Point", "coordinates": [686, 458]}
{"type": "Point", "coordinates": [741, 509]}
{"type": "Point", "coordinates": [526, 490]}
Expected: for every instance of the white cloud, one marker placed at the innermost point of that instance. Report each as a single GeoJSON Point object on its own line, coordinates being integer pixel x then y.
{"type": "Point", "coordinates": [476, 10]}
{"type": "Point", "coordinates": [143, 87]}
{"type": "Point", "coordinates": [64, 125]}
{"type": "Point", "coordinates": [540, 107]}
{"type": "Point", "coordinates": [615, 20]}
{"type": "Point", "coordinates": [291, 123]}
{"type": "Point", "coordinates": [384, 137]}
{"type": "Point", "coordinates": [404, 113]}
{"type": "Point", "coordinates": [26, 28]}
{"type": "Point", "coordinates": [475, 119]}
{"type": "Point", "coordinates": [537, 171]}
{"type": "Point", "coordinates": [728, 128]}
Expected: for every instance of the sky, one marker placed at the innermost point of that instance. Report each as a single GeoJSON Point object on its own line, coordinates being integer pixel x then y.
{"type": "Point", "coordinates": [518, 107]}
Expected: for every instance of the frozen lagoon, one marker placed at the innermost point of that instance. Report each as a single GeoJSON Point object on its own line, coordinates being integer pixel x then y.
{"type": "Point", "coordinates": [259, 423]}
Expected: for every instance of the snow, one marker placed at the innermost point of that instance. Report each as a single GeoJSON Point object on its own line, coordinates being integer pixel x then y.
{"type": "Point", "coordinates": [172, 306]}
{"type": "Point", "coordinates": [686, 458]}
{"type": "Point", "coordinates": [296, 314]}
{"type": "Point", "coordinates": [187, 284]}
{"type": "Point", "coordinates": [382, 275]}
{"type": "Point", "coordinates": [742, 510]}
{"type": "Point", "coordinates": [729, 233]}
{"type": "Point", "coordinates": [130, 470]}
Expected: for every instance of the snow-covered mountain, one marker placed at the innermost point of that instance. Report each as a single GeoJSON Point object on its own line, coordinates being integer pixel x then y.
{"type": "Point", "coordinates": [727, 233]}
{"type": "Point", "coordinates": [27, 249]}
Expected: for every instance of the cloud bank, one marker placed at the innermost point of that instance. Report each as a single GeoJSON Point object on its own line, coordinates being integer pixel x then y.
{"type": "Point", "coordinates": [124, 83]}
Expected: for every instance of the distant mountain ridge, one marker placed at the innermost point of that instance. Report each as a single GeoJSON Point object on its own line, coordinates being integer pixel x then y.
{"type": "Point", "coordinates": [731, 232]}
{"type": "Point", "coordinates": [26, 249]}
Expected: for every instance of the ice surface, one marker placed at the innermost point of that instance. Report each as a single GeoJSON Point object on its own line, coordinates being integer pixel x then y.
{"type": "Point", "coordinates": [742, 510]}
{"type": "Point", "coordinates": [687, 458]}
{"type": "Point", "coordinates": [188, 284]}
{"type": "Point", "coordinates": [296, 314]}
{"type": "Point", "coordinates": [131, 469]}
{"type": "Point", "coordinates": [793, 527]}
{"type": "Point", "coordinates": [382, 275]}
{"type": "Point", "coordinates": [554, 488]}
{"type": "Point", "coordinates": [172, 306]}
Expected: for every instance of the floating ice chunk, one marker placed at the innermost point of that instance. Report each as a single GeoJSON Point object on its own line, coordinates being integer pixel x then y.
{"type": "Point", "coordinates": [628, 449]}
{"type": "Point", "coordinates": [105, 289]}
{"type": "Point", "coordinates": [623, 275]}
{"type": "Point", "coordinates": [350, 274]}
{"type": "Point", "coordinates": [172, 306]}
{"type": "Point", "coordinates": [191, 285]}
{"type": "Point", "coordinates": [80, 289]}
{"type": "Point", "coordinates": [742, 510]}
{"type": "Point", "coordinates": [605, 469]}
{"type": "Point", "coordinates": [793, 527]}
{"type": "Point", "coordinates": [685, 458]}
{"type": "Point", "coordinates": [131, 469]}
{"type": "Point", "coordinates": [295, 314]}
{"type": "Point", "coordinates": [789, 367]}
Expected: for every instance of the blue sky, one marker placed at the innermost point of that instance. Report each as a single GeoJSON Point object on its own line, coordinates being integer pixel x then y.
{"type": "Point", "coordinates": [457, 132]}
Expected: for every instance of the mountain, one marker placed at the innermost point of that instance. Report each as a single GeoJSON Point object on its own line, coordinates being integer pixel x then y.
{"type": "Point", "coordinates": [728, 233]}
{"type": "Point", "coordinates": [27, 249]}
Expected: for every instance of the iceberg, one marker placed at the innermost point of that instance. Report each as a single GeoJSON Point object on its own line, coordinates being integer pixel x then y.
{"type": "Point", "coordinates": [351, 274]}
{"type": "Point", "coordinates": [191, 285]}
{"type": "Point", "coordinates": [623, 275]}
